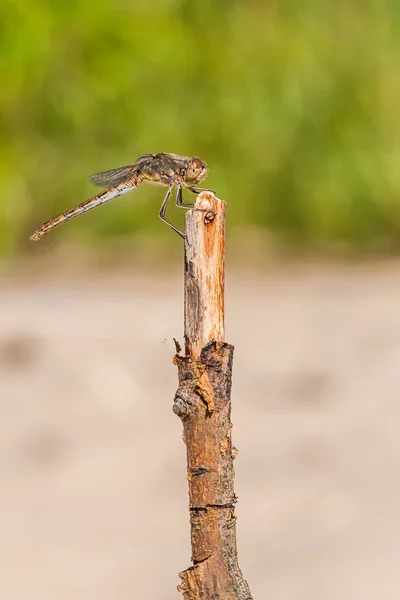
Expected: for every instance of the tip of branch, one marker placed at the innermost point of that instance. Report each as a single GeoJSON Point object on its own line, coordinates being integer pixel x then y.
{"type": "Point", "coordinates": [207, 202]}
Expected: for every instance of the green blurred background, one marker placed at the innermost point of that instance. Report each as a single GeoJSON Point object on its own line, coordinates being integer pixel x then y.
{"type": "Point", "coordinates": [294, 106]}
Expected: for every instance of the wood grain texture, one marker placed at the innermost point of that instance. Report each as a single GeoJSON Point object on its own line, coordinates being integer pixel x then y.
{"type": "Point", "coordinates": [204, 273]}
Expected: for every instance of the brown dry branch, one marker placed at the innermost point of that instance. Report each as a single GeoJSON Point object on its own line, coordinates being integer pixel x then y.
{"type": "Point", "coordinates": [203, 402]}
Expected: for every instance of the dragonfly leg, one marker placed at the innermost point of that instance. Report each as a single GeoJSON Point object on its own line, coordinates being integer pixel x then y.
{"type": "Point", "coordinates": [198, 190]}
{"type": "Point", "coordinates": [209, 213]}
{"type": "Point", "coordinates": [179, 200]}
{"type": "Point", "coordinates": [163, 210]}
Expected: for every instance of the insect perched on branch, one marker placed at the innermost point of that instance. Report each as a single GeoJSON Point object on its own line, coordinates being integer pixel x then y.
{"type": "Point", "coordinates": [170, 170]}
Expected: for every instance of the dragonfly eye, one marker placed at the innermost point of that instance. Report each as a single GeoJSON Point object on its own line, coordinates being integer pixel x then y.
{"type": "Point", "coordinates": [196, 170]}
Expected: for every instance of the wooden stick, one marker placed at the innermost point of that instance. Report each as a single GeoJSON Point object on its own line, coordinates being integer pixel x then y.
{"type": "Point", "coordinates": [203, 403]}
{"type": "Point", "coordinates": [204, 273]}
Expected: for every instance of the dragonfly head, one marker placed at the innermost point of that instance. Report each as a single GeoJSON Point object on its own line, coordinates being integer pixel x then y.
{"type": "Point", "coordinates": [195, 171]}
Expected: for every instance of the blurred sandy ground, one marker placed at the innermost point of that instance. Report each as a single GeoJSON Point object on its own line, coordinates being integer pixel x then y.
{"type": "Point", "coordinates": [93, 498]}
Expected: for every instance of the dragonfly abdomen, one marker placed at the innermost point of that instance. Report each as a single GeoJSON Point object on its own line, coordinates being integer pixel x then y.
{"type": "Point", "coordinates": [101, 198]}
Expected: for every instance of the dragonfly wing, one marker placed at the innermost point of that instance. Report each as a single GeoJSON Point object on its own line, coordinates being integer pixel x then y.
{"type": "Point", "coordinates": [114, 176]}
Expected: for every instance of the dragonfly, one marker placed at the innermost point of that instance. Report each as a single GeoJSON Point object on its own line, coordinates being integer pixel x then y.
{"type": "Point", "coordinates": [171, 170]}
